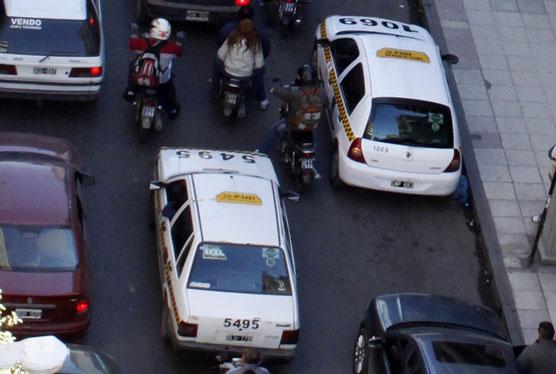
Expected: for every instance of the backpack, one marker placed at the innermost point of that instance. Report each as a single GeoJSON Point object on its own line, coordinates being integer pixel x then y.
{"type": "Point", "coordinates": [307, 116]}
{"type": "Point", "coordinates": [146, 68]}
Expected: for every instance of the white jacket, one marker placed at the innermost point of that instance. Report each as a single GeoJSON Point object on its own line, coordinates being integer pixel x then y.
{"type": "Point", "coordinates": [239, 61]}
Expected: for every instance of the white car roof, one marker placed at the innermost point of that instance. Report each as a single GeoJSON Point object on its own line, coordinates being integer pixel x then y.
{"type": "Point", "coordinates": [47, 9]}
{"type": "Point", "coordinates": [226, 220]}
{"type": "Point", "coordinates": [181, 161]}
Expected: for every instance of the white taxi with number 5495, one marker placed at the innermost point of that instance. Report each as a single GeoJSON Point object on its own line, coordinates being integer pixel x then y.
{"type": "Point", "coordinates": [225, 255]}
{"type": "Point", "coordinates": [389, 107]}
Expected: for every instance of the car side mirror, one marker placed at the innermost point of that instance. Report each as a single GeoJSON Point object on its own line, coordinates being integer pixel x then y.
{"type": "Point", "coordinates": [450, 58]}
{"type": "Point", "coordinates": [375, 342]}
{"type": "Point", "coordinates": [291, 195]}
{"type": "Point", "coordinates": [156, 185]}
{"type": "Point", "coordinates": [85, 179]}
{"type": "Point", "coordinates": [323, 42]}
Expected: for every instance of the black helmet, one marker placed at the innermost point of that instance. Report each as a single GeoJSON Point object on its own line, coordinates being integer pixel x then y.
{"type": "Point", "coordinates": [304, 75]}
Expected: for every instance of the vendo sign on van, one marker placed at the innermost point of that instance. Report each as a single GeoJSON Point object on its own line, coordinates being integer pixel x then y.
{"type": "Point", "coordinates": [26, 23]}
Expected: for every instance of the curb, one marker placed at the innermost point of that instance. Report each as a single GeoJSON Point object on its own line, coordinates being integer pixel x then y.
{"type": "Point", "coordinates": [502, 290]}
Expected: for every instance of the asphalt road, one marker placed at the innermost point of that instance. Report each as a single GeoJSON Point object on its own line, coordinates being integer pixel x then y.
{"type": "Point", "coordinates": [350, 246]}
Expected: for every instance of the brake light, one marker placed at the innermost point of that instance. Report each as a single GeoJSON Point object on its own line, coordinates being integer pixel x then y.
{"type": "Point", "coordinates": [289, 337]}
{"type": "Point", "coordinates": [8, 69]}
{"type": "Point", "coordinates": [242, 2]}
{"type": "Point", "coordinates": [95, 71]}
{"type": "Point", "coordinates": [187, 329]}
{"type": "Point", "coordinates": [455, 163]}
{"type": "Point", "coordinates": [82, 306]}
{"type": "Point", "coordinates": [356, 151]}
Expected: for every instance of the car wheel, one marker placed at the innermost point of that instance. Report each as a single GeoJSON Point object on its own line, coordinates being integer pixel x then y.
{"type": "Point", "coordinates": [360, 353]}
{"type": "Point", "coordinates": [335, 180]}
{"type": "Point", "coordinates": [141, 13]}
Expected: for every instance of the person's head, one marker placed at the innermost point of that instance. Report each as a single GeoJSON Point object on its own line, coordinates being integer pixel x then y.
{"type": "Point", "coordinates": [546, 330]}
{"type": "Point", "coordinates": [250, 356]}
{"type": "Point", "coordinates": [304, 75]}
{"type": "Point", "coordinates": [245, 12]}
{"type": "Point", "coordinates": [245, 31]}
{"type": "Point", "coordinates": [160, 29]}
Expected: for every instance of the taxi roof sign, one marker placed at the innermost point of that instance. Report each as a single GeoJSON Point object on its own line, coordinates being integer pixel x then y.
{"type": "Point", "coordinates": [238, 198]}
{"type": "Point", "coordinates": [403, 54]}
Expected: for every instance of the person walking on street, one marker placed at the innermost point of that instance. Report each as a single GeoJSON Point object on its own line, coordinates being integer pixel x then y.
{"type": "Point", "coordinates": [539, 357]}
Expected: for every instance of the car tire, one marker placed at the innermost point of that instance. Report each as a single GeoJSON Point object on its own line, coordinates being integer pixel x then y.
{"type": "Point", "coordinates": [141, 13]}
{"type": "Point", "coordinates": [335, 180]}
{"type": "Point", "coordinates": [360, 353]}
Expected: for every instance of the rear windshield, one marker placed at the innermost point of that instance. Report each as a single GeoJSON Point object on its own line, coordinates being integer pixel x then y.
{"type": "Point", "coordinates": [37, 248]}
{"type": "Point", "coordinates": [410, 122]}
{"type": "Point", "coordinates": [50, 37]}
{"type": "Point", "coordinates": [466, 353]}
{"type": "Point", "coordinates": [237, 268]}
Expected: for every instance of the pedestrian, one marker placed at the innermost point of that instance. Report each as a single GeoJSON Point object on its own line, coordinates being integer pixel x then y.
{"type": "Point", "coordinates": [250, 360]}
{"type": "Point", "coordinates": [539, 357]}
{"type": "Point", "coordinates": [246, 12]}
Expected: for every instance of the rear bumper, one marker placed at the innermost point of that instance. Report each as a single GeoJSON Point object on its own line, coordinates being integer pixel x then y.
{"type": "Point", "coordinates": [52, 328]}
{"type": "Point", "coordinates": [266, 354]}
{"type": "Point", "coordinates": [178, 11]}
{"type": "Point", "coordinates": [41, 91]}
{"type": "Point", "coordinates": [362, 175]}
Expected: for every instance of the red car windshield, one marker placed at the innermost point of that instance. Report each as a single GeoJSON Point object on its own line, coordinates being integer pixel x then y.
{"type": "Point", "coordinates": [37, 249]}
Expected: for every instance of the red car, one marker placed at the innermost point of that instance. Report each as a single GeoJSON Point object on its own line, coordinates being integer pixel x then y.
{"type": "Point", "coordinates": [43, 268]}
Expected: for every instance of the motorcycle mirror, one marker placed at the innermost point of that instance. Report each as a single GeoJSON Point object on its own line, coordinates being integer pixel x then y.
{"type": "Point", "coordinates": [375, 342]}
{"type": "Point", "coordinates": [180, 35]}
{"type": "Point", "coordinates": [133, 26]}
{"type": "Point", "coordinates": [450, 58]}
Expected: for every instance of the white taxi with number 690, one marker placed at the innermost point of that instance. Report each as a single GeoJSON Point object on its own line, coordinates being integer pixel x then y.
{"type": "Point", "coordinates": [225, 255]}
{"type": "Point", "coordinates": [389, 107]}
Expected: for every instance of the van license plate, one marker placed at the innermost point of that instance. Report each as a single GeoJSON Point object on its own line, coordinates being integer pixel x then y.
{"type": "Point", "coordinates": [402, 184]}
{"type": "Point", "coordinates": [43, 70]}
{"type": "Point", "coordinates": [195, 15]}
{"type": "Point", "coordinates": [239, 338]}
{"type": "Point", "coordinates": [29, 313]}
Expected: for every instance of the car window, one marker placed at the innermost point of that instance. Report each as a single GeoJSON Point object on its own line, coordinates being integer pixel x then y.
{"type": "Point", "coordinates": [54, 37]}
{"type": "Point", "coordinates": [37, 248]}
{"type": "Point", "coordinates": [344, 52]}
{"type": "Point", "coordinates": [240, 268]}
{"type": "Point", "coordinates": [176, 192]}
{"type": "Point", "coordinates": [353, 87]}
{"type": "Point", "coordinates": [183, 254]}
{"type": "Point", "coordinates": [410, 122]}
{"type": "Point", "coordinates": [403, 356]}
{"type": "Point", "coordinates": [181, 230]}
{"type": "Point", "coordinates": [467, 353]}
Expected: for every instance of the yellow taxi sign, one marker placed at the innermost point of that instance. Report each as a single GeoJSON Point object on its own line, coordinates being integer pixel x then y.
{"type": "Point", "coordinates": [238, 198]}
{"type": "Point", "coordinates": [403, 54]}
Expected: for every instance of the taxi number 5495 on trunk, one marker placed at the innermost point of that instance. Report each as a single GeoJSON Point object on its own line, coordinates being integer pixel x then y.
{"type": "Point", "coordinates": [242, 323]}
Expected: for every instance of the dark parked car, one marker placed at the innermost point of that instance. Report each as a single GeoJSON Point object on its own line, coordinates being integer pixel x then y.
{"type": "Point", "coordinates": [419, 334]}
{"type": "Point", "coordinates": [211, 11]}
{"type": "Point", "coordinates": [43, 269]}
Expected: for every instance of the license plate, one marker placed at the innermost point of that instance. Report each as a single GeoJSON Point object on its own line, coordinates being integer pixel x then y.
{"type": "Point", "coordinates": [402, 184]}
{"type": "Point", "coordinates": [306, 163]}
{"type": "Point", "coordinates": [43, 70]}
{"type": "Point", "coordinates": [148, 111]}
{"type": "Point", "coordinates": [231, 99]}
{"type": "Point", "coordinates": [288, 7]}
{"type": "Point", "coordinates": [29, 313]}
{"type": "Point", "coordinates": [195, 15]}
{"type": "Point", "coordinates": [311, 116]}
{"type": "Point", "coordinates": [239, 338]}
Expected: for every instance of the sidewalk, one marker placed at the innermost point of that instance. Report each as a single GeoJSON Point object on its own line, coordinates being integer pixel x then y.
{"type": "Point", "coordinates": [506, 80]}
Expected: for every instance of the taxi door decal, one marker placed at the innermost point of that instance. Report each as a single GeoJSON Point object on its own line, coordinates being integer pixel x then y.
{"type": "Point", "coordinates": [336, 88]}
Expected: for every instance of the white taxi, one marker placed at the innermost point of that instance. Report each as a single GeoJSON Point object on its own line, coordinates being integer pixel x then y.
{"type": "Point", "coordinates": [225, 254]}
{"type": "Point", "coordinates": [51, 49]}
{"type": "Point", "coordinates": [389, 107]}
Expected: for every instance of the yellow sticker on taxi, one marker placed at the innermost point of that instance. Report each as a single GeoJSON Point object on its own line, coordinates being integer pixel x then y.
{"type": "Point", "coordinates": [238, 198]}
{"type": "Point", "coordinates": [403, 54]}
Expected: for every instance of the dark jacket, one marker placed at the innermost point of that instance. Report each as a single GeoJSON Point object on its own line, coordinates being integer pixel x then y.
{"type": "Point", "coordinates": [293, 97]}
{"type": "Point", "coordinates": [538, 358]}
{"type": "Point", "coordinates": [229, 27]}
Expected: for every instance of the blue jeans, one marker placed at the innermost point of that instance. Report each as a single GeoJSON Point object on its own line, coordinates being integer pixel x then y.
{"type": "Point", "coordinates": [272, 135]}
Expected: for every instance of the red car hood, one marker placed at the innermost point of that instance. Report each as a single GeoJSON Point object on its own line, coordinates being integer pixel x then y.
{"type": "Point", "coordinates": [40, 284]}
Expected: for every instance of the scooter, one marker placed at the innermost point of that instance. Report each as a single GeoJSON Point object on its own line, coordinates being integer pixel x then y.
{"type": "Point", "coordinates": [286, 12]}
{"type": "Point", "coordinates": [232, 93]}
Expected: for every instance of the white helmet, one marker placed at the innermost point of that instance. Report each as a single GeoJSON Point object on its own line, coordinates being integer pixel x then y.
{"type": "Point", "coordinates": [160, 29]}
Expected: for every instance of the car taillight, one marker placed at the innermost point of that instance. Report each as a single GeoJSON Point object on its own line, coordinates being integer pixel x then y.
{"type": "Point", "coordinates": [8, 69]}
{"type": "Point", "coordinates": [356, 151]}
{"type": "Point", "coordinates": [289, 337]}
{"type": "Point", "coordinates": [95, 71]}
{"type": "Point", "coordinates": [242, 2]}
{"type": "Point", "coordinates": [455, 163]}
{"type": "Point", "coordinates": [187, 329]}
{"type": "Point", "coordinates": [82, 306]}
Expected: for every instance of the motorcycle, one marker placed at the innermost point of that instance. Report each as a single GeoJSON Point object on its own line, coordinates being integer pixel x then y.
{"type": "Point", "coordinates": [286, 12]}
{"type": "Point", "coordinates": [225, 365]}
{"type": "Point", "coordinates": [233, 92]}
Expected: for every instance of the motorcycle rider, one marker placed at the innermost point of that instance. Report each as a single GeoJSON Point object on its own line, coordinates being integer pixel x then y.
{"type": "Point", "coordinates": [240, 54]}
{"type": "Point", "coordinates": [294, 97]}
{"type": "Point", "coordinates": [250, 359]}
{"type": "Point", "coordinates": [168, 50]}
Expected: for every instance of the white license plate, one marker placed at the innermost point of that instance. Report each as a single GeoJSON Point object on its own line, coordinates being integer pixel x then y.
{"type": "Point", "coordinates": [288, 7]}
{"type": "Point", "coordinates": [148, 111]}
{"type": "Point", "coordinates": [311, 116]}
{"type": "Point", "coordinates": [231, 99]}
{"type": "Point", "coordinates": [239, 338]}
{"type": "Point", "coordinates": [43, 70]}
{"type": "Point", "coordinates": [402, 184]}
{"type": "Point", "coordinates": [29, 313]}
{"type": "Point", "coordinates": [195, 15]}
{"type": "Point", "coordinates": [306, 163]}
